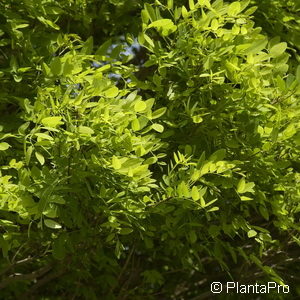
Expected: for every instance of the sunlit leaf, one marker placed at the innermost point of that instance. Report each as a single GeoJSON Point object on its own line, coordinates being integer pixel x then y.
{"type": "Point", "coordinates": [52, 224]}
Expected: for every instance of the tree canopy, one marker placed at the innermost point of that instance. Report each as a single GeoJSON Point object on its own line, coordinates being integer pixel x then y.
{"type": "Point", "coordinates": [148, 148]}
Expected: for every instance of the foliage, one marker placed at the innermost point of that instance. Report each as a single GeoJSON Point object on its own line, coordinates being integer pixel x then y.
{"type": "Point", "coordinates": [146, 177]}
{"type": "Point", "coordinates": [280, 18]}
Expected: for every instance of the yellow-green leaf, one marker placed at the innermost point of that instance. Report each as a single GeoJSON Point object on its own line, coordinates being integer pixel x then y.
{"type": "Point", "coordinates": [112, 92]}
{"type": "Point", "coordinates": [4, 146]}
{"type": "Point", "coordinates": [52, 121]}
{"type": "Point", "coordinates": [158, 127]}
{"type": "Point", "coordinates": [234, 8]}
{"type": "Point", "coordinates": [241, 186]}
{"type": "Point", "coordinates": [197, 119]}
{"type": "Point", "coordinates": [140, 106]}
{"type": "Point", "coordinates": [40, 157]}
{"type": "Point", "coordinates": [183, 190]}
{"type": "Point", "coordinates": [135, 125]}
{"type": "Point", "coordinates": [184, 12]}
{"type": "Point", "coordinates": [191, 4]}
{"type": "Point", "coordinates": [116, 163]}
{"type": "Point", "coordinates": [195, 193]}
{"type": "Point", "coordinates": [148, 39]}
{"type": "Point", "coordinates": [214, 24]}
{"type": "Point", "coordinates": [278, 49]}
{"type": "Point", "coordinates": [244, 198]}
{"type": "Point", "coordinates": [170, 4]}
{"type": "Point", "coordinates": [85, 130]}
{"type": "Point", "coordinates": [161, 23]}
{"type": "Point", "coordinates": [44, 136]}
{"type": "Point", "coordinates": [251, 233]}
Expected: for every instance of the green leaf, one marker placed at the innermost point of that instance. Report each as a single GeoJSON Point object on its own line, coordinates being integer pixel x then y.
{"type": "Point", "coordinates": [241, 186]}
{"type": "Point", "coordinates": [256, 46]}
{"type": "Point", "coordinates": [195, 193]}
{"type": "Point", "coordinates": [110, 237]}
{"type": "Point", "coordinates": [40, 158]}
{"type": "Point", "coordinates": [165, 26]}
{"type": "Point", "coordinates": [278, 49]}
{"type": "Point", "coordinates": [68, 67]}
{"type": "Point", "coordinates": [4, 146]}
{"type": "Point", "coordinates": [161, 23]}
{"type": "Point", "coordinates": [264, 212]}
{"type": "Point", "coordinates": [170, 4]}
{"type": "Point", "coordinates": [192, 236]}
{"type": "Point", "coordinates": [116, 163]}
{"type": "Point", "coordinates": [150, 11]}
{"type": "Point", "coordinates": [244, 198]}
{"type": "Point", "coordinates": [135, 125]}
{"type": "Point", "coordinates": [210, 202]}
{"type": "Point", "coordinates": [145, 16]}
{"type": "Point", "coordinates": [140, 106]}
{"type": "Point", "coordinates": [56, 66]}
{"type": "Point", "coordinates": [52, 121]}
{"type": "Point", "coordinates": [52, 224]}
{"type": "Point", "coordinates": [104, 47]}
{"type": "Point", "coordinates": [140, 151]}
{"type": "Point", "coordinates": [28, 154]}
{"type": "Point", "coordinates": [50, 212]}
{"type": "Point", "coordinates": [159, 112]}
{"type": "Point", "coordinates": [215, 208]}
{"type": "Point", "coordinates": [125, 231]}
{"type": "Point", "coordinates": [88, 46]}
{"type": "Point", "coordinates": [184, 12]}
{"type": "Point", "coordinates": [218, 155]}
{"type": "Point", "coordinates": [85, 130]}
{"type": "Point", "coordinates": [289, 132]}
{"type": "Point", "coordinates": [251, 233]}
{"type": "Point", "coordinates": [234, 8]}
{"type": "Point", "coordinates": [111, 92]}
{"type": "Point", "coordinates": [206, 167]}
{"type": "Point", "coordinates": [250, 10]}
{"type": "Point", "coordinates": [191, 4]}
{"type": "Point", "coordinates": [249, 187]}
{"type": "Point", "coordinates": [214, 24]}
{"type": "Point", "coordinates": [183, 190]}
{"type": "Point", "coordinates": [158, 127]}
{"type": "Point", "coordinates": [281, 83]}
{"type": "Point", "coordinates": [197, 119]}
{"type": "Point", "coordinates": [48, 22]}
{"type": "Point", "coordinates": [44, 136]}
{"type": "Point", "coordinates": [297, 73]}
{"type": "Point", "coordinates": [118, 249]}
{"type": "Point", "coordinates": [150, 161]}
{"type": "Point", "coordinates": [148, 40]}
{"type": "Point", "coordinates": [57, 199]}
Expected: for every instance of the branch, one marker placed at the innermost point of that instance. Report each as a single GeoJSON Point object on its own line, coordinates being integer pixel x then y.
{"type": "Point", "coordinates": [17, 263]}
{"type": "Point", "coordinates": [126, 263]}
{"type": "Point", "coordinates": [42, 282]}
{"type": "Point", "coordinates": [29, 276]}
